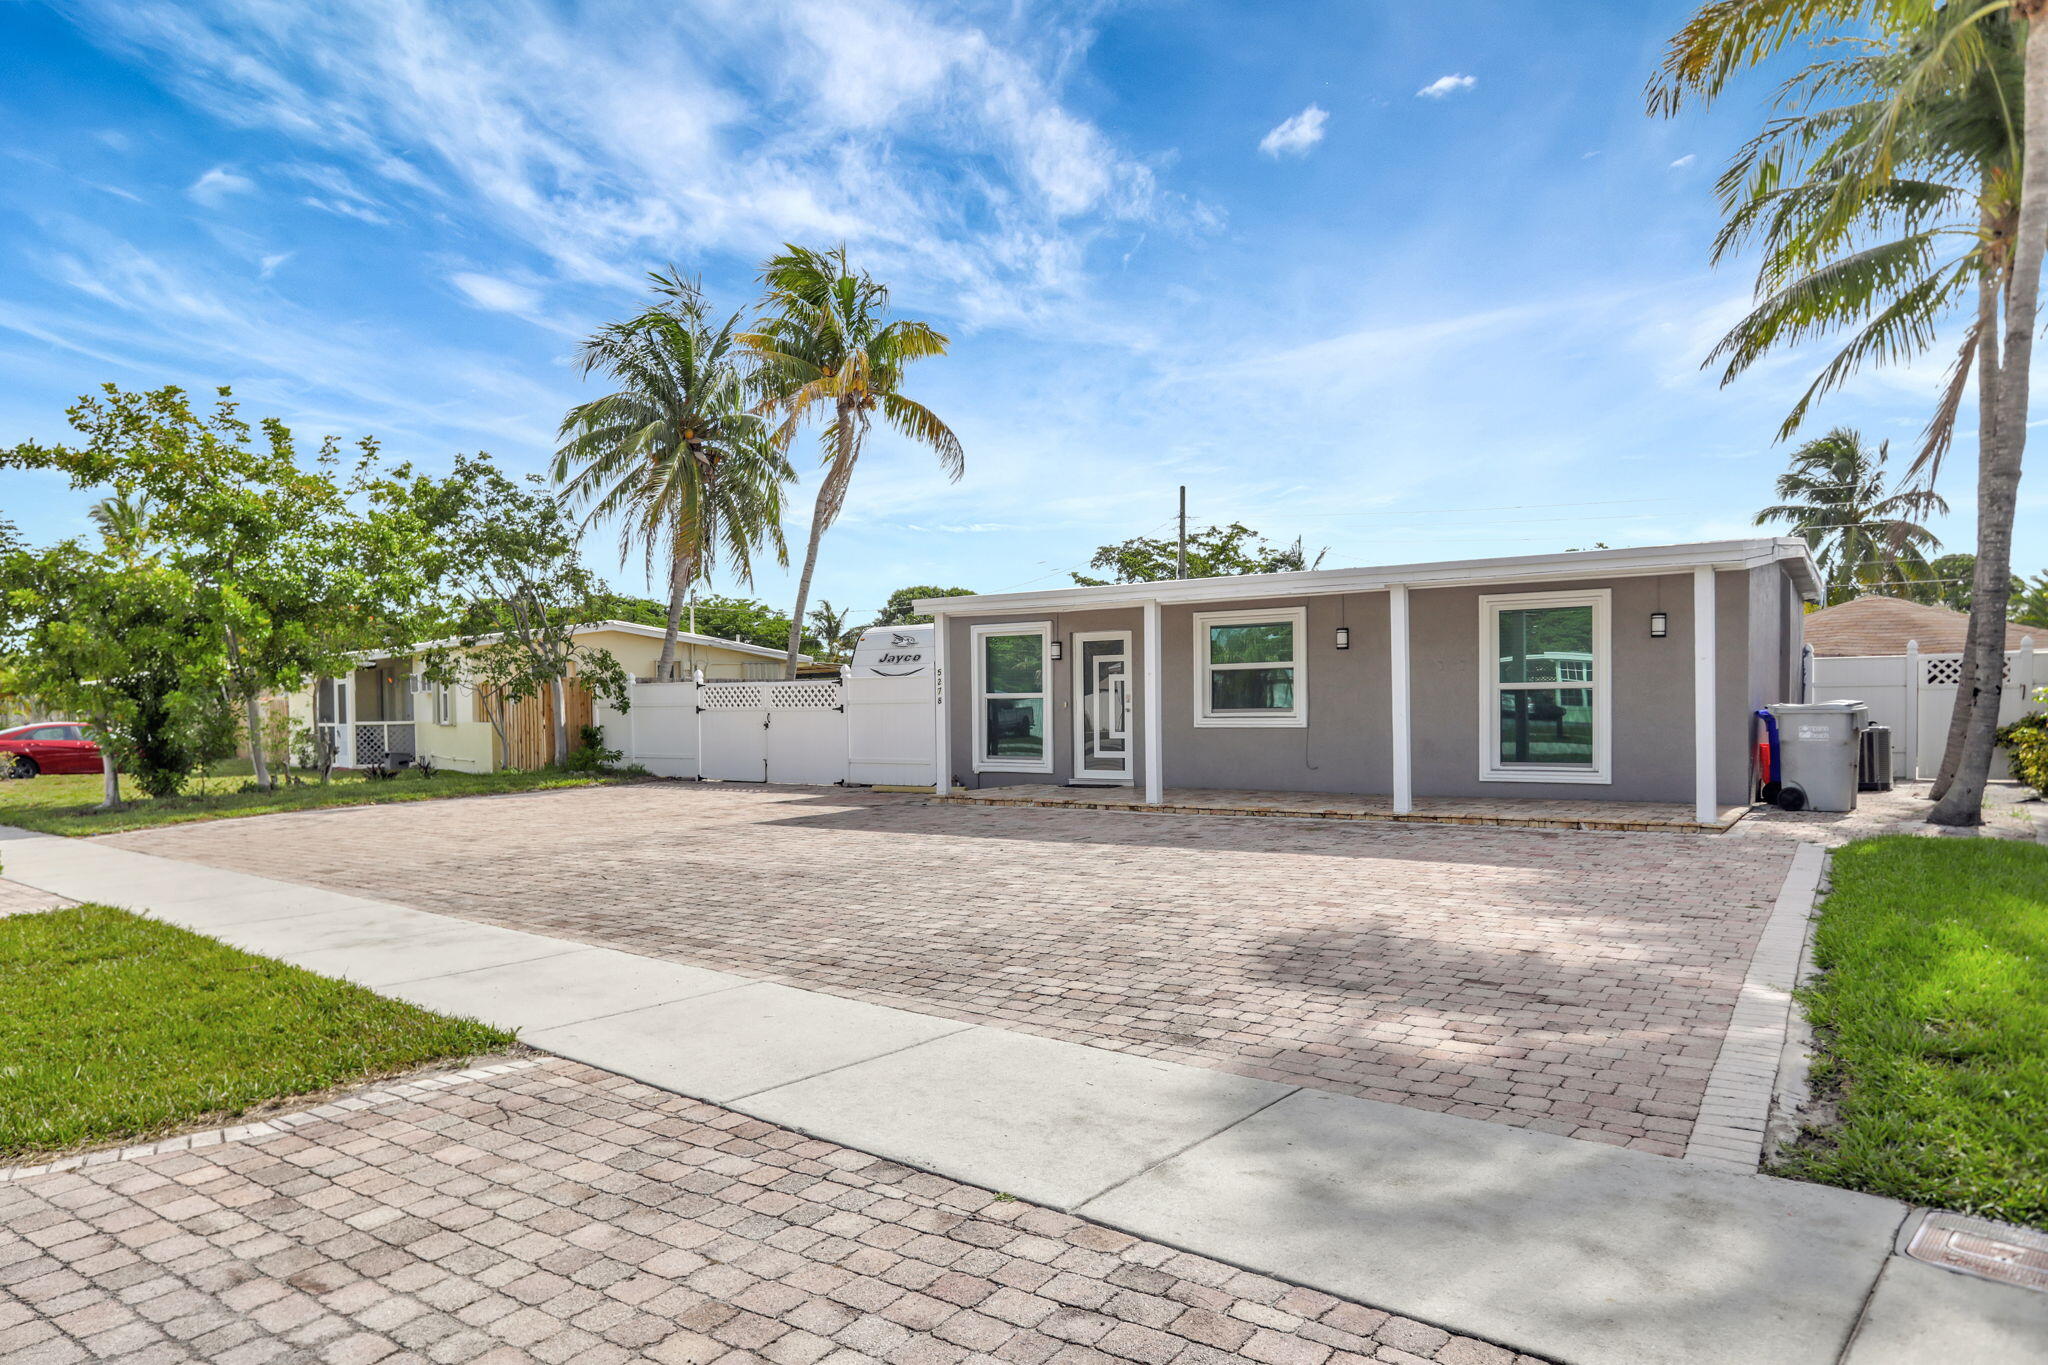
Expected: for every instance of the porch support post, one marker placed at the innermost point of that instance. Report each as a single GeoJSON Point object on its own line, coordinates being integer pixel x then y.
{"type": "Point", "coordinates": [1397, 676]}
{"type": "Point", "coordinates": [942, 738]}
{"type": "Point", "coordinates": [1706, 803]}
{"type": "Point", "coordinates": [1154, 722]}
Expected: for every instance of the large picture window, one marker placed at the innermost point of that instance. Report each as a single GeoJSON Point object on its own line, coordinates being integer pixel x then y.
{"type": "Point", "coordinates": [1545, 699]}
{"type": "Point", "coordinates": [1250, 668]}
{"type": "Point", "coordinates": [1013, 710]}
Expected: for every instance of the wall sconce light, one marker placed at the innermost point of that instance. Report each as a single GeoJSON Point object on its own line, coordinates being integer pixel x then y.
{"type": "Point", "coordinates": [1660, 625]}
{"type": "Point", "coordinates": [1343, 637]}
{"type": "Point", "coordinates": [1059, 650]}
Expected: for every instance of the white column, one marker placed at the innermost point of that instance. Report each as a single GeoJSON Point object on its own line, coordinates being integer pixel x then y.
{"type": "Point", "coordinates": [1153, 722]}
{"type": "Point", "coordinates": [1398, 674]}
{"type": "Point", "coordinates": [1706, 801]}
{"type": "Point", "coordinates": [942, 738]}
{"type": "Point", "coordinates": [1910, 769]}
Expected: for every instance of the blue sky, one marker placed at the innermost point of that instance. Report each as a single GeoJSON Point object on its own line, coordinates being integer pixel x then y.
{"type": "Point", "coordinates": [1412, 280]}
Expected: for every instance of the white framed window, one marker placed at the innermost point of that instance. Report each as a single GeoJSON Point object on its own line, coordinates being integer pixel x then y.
{"type": "Point", "coordinates": [1251, 668]}
{"type": "Point", "coordinates": [444, 704]}
{"type": "Point", "coordinates": [1013, 698]}
{"type": "Point", "coordinates": [1546, 693]}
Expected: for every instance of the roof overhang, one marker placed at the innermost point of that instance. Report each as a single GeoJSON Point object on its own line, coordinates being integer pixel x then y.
{"type": "Point", "coordinates": [1637, 561]}
{"type": "Point", "coordinates": [683, 637]}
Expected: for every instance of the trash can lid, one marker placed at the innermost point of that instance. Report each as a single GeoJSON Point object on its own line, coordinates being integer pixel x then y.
{"type": "Point", "coordinates": [1809, 708]}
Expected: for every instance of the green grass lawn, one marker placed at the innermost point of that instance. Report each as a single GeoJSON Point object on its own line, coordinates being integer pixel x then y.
{"type": "Point", "coordinates": [115, 1028]}
{"type": "Point", "coordinates": [63, 805]}
{"type": "Point", "coordinates": [1933, 1023]}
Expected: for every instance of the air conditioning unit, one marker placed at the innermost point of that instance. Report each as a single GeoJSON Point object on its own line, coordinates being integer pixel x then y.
{"type": "Point", "coordinates": [1874, 758]}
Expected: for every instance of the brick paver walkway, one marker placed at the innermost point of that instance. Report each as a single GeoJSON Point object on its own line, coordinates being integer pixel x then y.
{"type": "Point", "coordinates": [562, 1214]}
{"type": "Point", "coordinates": [1574, 982]}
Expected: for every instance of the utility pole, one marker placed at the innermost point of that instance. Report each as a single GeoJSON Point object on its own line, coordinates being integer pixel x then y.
{"type": "Point", "coordinates": [1180, 555]}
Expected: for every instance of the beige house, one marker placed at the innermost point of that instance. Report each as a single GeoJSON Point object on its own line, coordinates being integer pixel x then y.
{"type": "Point", "coordinates": [385, 706]}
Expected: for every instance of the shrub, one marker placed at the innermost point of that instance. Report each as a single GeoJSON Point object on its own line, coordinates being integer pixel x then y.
{"type": "Point", "coordinates": [2026, 740]}
{"type": "Point", "coordinates": [590, 755]}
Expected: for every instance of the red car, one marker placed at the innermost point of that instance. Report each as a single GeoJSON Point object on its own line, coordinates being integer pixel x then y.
{"type": "Point", "coordinates": [53, 746]}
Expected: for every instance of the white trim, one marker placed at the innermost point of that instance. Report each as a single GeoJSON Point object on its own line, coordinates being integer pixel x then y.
{"type": "Point", "coordinates": [942, 743]}
{"type": "Point", "coordinates": [1491, 769]}
{"type": "Point", "coordinates": [1398, 670]}
{"type": "Point", "coordinates": [1706, 805]}
{"type": "Point", "coordinates": [1153, 719]}
{"type": "Point", "coordinates": [1296, 716]}
{"type": "Point", "coordinates": [982, 762]}
{"type": "Point", "coordinates": [1633, 562]}
{"type": "Point", "coordinates": [1080, 690]}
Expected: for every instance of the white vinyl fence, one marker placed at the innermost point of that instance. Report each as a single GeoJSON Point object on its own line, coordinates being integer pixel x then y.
{"type": "Point", "coordinates": [1915, 694]}
{"type": "Point", "coordinates": [864, 729]}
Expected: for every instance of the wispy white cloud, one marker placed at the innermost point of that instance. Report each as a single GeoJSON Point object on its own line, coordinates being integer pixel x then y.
{"type": "Point", "coordinates": [271, 262]}
{"type": "Point", "coordinates": [1684, 161]}
{"type": "Point", "coordinates": [495, 294]}
{"type": "Point", "coordinates": [1294, 136]}
{"type": "Point", "coordinates": [1446, 85]}
{"type": "Point", "coordinates": [218, 185]}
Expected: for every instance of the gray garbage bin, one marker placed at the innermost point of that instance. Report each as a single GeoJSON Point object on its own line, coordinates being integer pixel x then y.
{"type": "Point", "coordinates": [1818, 742]}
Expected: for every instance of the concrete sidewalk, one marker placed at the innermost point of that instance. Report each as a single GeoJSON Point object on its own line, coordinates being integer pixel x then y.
{"type": "Point", "coordinates": [1563, 1248]}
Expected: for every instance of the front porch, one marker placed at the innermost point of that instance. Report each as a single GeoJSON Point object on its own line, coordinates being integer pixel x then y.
{"type": "Point", "coordinates": [1431, 810]}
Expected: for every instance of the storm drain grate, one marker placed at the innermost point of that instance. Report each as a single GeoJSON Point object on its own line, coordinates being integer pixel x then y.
{"type": "Point", "coordinates": [1978, 1246]}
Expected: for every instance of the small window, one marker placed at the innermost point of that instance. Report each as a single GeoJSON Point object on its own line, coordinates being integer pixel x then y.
{"type": "Point", "coordinates": [1249, 668]}
{"type": "Point", "coordinates": [1545, 713]}
{"type": "Point", "coordinates": [444, 704]}
{"type": "Point", "coordinates": [1012, 711]}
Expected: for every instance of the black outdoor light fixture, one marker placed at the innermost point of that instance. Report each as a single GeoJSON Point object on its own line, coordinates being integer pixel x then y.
{"type": "Point", "coordinates": [1660, 625]}
{"type": "Point", "coordinates": [1343, 637]}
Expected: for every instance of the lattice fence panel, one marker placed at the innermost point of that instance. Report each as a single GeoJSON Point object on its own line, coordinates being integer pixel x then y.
{"type": "Point", "coordinates": [1946, 670]}
{"type": "Point", "coordinates": [370, 746]}
{"type": "Point", "coordinates": [804, 696]}
{"type": "Point", "coordinates": [732, 696]}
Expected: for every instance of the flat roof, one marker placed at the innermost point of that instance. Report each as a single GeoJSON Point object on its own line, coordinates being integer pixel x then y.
{"type": "Point", "coordinates": [1630, 562]}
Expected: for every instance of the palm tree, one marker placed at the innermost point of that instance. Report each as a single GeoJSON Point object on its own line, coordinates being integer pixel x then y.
{"type": "Point", "coordinates": [830, 624]}
{"type": "Point", "coordinates": [1836, 495]}
{"type": "Point", "coordinates": [675, 456]}
{"type": "Point", "coordinates": [123, 522]}
{"type": "Point", "coordinates": [1942, 65]}
{"type": "Point", "coordinates": [826, 352]}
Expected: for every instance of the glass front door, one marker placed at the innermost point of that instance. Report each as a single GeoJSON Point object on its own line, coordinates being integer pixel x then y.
{"type": "Point", "coordinates": [1102, 692]}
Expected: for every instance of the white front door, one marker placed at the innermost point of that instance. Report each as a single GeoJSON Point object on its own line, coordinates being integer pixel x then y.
{"type": "Point", "coordinates": [1102, 706]}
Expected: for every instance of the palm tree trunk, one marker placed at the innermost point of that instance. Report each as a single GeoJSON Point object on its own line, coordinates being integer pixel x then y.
{"type": "Point", "coordinates": [1998, 477]}
{"type": "Point", "coordinates": [1989, 372]}
{"type": "Point", "coordinates": [831, 495]}
{"type": "Point", "coordinates": [681, 575]}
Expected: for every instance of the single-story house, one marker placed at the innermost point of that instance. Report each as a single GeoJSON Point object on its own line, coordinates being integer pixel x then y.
{"type": "Point", "coordinates": [1624, 675]}
{"type": "Point", "coordinates": [1872, 625]}
{"type": "Point", "coordinates": [385, 705]}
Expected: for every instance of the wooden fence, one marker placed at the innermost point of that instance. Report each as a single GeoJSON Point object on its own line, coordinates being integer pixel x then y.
{"type": "Point", "coordinates": [529, 730]}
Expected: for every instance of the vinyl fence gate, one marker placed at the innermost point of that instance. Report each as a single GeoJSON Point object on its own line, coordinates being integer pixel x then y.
{"type": "Point", "coordinates": [782, 731]}
{"type": "Point", "coordinates": [1915, 693]}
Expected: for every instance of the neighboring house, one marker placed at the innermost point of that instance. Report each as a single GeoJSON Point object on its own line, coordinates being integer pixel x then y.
{"type": "Point", "coordinates": [384, 706]}
{"type": "Point", "coordinates": [1868, 626]}
{"type": "Point", "coordinates": [1594, 674]}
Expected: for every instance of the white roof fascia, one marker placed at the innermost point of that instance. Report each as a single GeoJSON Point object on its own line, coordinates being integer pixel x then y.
{"type": "Point", "coordinates": [630, 627]}
{"type": "Point", "coordinates": [1629, 562]}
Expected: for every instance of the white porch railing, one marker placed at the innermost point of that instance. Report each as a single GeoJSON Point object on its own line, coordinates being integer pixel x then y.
{"type": "Point", "coordinates": [368, 743]}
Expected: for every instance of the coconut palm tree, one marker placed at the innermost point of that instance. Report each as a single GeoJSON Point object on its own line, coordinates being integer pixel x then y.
{"type": "Point", "coordinates": [1939, 51]}
{"type": "Point", "coordinates": [1862, 529]}
{"type": "Point", "coordinates": [827, 351]}
{"type": "Point", "coordinates": [675, 456]}
{"type": "Point", "coordinates": [123, 522]}
{"type": "Point", "coordinates": [829, 623]}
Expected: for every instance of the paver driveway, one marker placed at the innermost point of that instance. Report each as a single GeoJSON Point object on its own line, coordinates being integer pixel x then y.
{"type": "Point", "coordinates": [1575, 982]}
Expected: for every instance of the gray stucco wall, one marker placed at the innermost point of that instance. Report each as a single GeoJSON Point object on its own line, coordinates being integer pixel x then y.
{"type": "Point", "coordinates": [1346, 746]}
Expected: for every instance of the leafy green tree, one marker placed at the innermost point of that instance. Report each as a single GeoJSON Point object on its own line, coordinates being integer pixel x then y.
{"type": "Point", "coordinates": [897, 611]}
{"type": "Point", "coordinates": [1949, 580]}
{"type": "Point", "coordinates": [674, 456]}
{"type": "Point", "coordinates": [1213, 552]}
{"type": "Point", "coordinates": [514, 591]}
{"type": "Point", "coordinates": [291, 572]}
{"type": "Point", "coordinates": [127, 647]}
{"type": "Point", "coordinates": [1838, 496]}
{"type": "Point", "coordinates": [826, 352]}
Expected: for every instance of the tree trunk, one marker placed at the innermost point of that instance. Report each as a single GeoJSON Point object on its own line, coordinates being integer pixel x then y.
{"type": "Point", "coordinates": [252, 716]}
{"type": "Point", "coordinates": [1989, 287]}
{"type": "Point", "coordinates": [558, 704]}
{"type": "Point", "coordinates": [110, 781]}
{"type": "Point", "coordinates": [1998, 477]}
{"type": "Point", "coordinates": [831, 495]}
{"type": "Point", "coordinates": [681, 574]}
